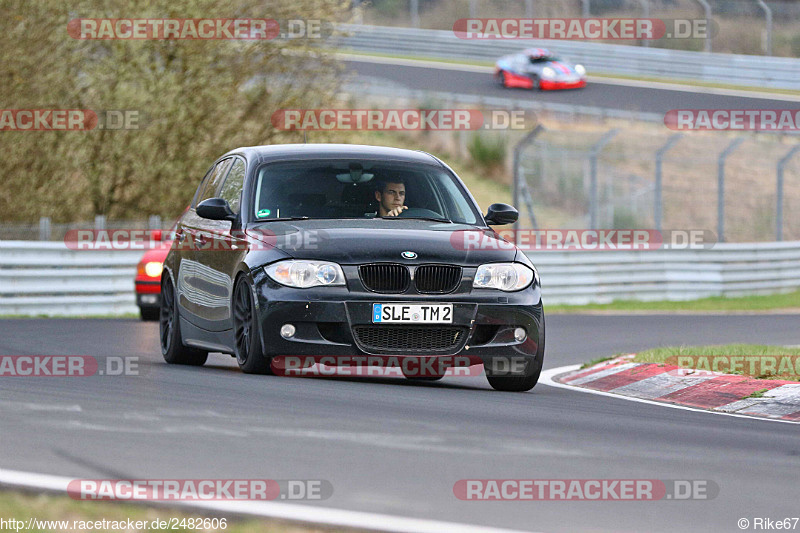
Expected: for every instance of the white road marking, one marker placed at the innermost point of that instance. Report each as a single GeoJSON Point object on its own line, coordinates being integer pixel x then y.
{"type": "Point", "coordinates": [282, 511]}
{"type": "Point", "coordinates": [665, 86]}
{"type": "Point", "coordinates": [547, 376]}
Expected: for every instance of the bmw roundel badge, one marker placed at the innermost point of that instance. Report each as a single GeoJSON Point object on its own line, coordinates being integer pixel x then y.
{"type": "Point", "coordinates": [409, 255]}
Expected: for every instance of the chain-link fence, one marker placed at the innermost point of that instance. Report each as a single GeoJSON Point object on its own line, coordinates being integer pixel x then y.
{"type": "Point", "coordinates": [757, 27]}
{"type": "Point", "coordinates": [639, 176]}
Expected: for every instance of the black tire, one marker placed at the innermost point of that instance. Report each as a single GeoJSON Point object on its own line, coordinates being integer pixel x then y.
{"type": "Point", "coordinates": [169, 325]}
{"type": "Point", "coordinates": [246, 332]}
{"type": "Point", "coordinates": [526, 381]}
{"type": "Point", "coordinates": [150, 314]}
{"type": "Point", "coordinates": [501, 79]}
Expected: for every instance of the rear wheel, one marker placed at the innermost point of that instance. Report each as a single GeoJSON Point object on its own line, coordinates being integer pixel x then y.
{"type": "Point", "coordinates": [508, 382]}
{"type": "Point", "coordinates": [501, 78]}
{"type": "Point", "coordinates": [247, 338]}
{"type": "Point", "coordinates": [172, 348]}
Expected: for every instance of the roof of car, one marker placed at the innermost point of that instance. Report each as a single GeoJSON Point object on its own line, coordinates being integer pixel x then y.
{"type": "Point", "coordinates": [315, 151]}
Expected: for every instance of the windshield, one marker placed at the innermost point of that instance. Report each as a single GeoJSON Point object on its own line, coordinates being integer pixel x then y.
{"type": "Point", "coordinates": [360, 189]}
{"type": "Point", "coordinates": [543, 59]}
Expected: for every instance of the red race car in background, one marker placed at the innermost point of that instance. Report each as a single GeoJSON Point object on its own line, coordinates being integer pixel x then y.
{"type": "Point", "coordinates": [148, 278]}
{"type": "Point", "coordinates": [538, 68]}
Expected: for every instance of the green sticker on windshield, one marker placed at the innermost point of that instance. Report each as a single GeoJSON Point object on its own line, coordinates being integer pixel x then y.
{"type": "Point", "coordinates": [263, 213]}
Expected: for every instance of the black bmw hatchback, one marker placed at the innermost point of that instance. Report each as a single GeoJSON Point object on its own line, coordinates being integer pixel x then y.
{"type": "Point", "coordinates": [348, 255]}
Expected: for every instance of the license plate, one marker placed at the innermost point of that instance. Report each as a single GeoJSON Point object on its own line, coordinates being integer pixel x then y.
{"type": "Point", "coordinates": [412, 313]}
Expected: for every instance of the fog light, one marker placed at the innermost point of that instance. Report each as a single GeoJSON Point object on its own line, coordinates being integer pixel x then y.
{"type": "Point", "coordinates": [287, 331]}
{"type": "Point", "coordinates": [520, 334]}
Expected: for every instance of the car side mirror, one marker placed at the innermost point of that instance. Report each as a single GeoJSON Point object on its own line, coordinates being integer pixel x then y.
{"type": "Point", "coordinates": [215, 209]}
{"type": "Point", "coordinates": [500, 214]}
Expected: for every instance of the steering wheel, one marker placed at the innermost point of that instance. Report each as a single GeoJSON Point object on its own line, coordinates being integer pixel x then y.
{"type": "Point", "coordinates": [419, 212]}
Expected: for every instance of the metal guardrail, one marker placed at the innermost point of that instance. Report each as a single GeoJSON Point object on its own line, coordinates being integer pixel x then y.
{"type": "Point", "coordinates": [40, 278]}
{"type": "Point", "coordinates": [757, 71]}
{"type": "Point", "coordinates": [47, 278]}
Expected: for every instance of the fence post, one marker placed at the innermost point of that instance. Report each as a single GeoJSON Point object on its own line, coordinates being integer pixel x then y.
{"type": "Point", "coordinates": [594, 199]}
{"type": "Point", "coordinates": [659, 159]}
{"type": "Point", "coordinates": [721, 187]}
{"type": "Point", "coordinates": [473, 8]}
{"type": "Point", "coordinates": [646, 12]}
{"type": "Point", "coordinates": [414, 13]}
{"type": "Point", "coordinates": [100, 222]}
{"type": "Point", "coordinates": [520, 146]}
{"type": "Point", "coordinates": [707, 9]}
{"type": "Point", "coordinates": [154, 222]}
{"type": "Point", "coordinates": [529, 9]}
{"type": "Point", "coordinates": [45, 229]}
{"type": "Point", "coordinates": [779, 193]}
{"type": "Point", "coordinates": [586, 10]}
{"type": "Point", "coordinates": [768, 16]}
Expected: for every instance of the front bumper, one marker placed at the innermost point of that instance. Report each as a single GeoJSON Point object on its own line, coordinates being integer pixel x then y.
{"type": "Point", "coordinates": [148, 293]}
{"type": "Point", "coordinates": [325, 319]}
{"type": "Point", "coordinates": [551, 85]}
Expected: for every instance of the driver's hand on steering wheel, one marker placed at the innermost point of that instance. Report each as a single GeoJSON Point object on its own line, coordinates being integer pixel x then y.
{"type": "Point", "coordinates": [396, 211]}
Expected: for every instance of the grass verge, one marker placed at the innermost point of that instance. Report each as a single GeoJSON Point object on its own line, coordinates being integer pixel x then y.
{"type": "Point", "coordinates": [23, 506]}
{"type": "Point", "coordinates": [789, 302]}
{"type": "Point", "coordinates": [760, 368]}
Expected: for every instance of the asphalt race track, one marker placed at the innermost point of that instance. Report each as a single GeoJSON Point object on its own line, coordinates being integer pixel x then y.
{"type": "Point", "coordinates": [396, 447]}
{"type": "Point", "coordinates": [595, 94]}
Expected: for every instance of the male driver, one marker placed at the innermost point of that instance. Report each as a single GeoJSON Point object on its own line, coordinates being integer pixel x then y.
{"type": "Point", "coordinates": [391, 196]}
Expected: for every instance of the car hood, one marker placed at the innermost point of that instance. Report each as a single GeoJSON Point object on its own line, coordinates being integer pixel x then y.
{"type": "Point", "coordinates": [353, 242]}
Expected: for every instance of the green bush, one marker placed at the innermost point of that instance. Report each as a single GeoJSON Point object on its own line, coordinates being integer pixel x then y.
{"type": "Point", "coordinates": [487, 152]}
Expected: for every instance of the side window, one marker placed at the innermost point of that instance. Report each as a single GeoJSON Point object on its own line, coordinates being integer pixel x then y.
{"type": "Point", "coordinates": [202, 186]}
{"type": "Point", "coordinates": [213, 182]}
{"type": "Point", "coordinates": [232, 190]}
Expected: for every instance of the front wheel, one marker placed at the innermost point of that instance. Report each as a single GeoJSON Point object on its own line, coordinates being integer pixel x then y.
{"type": "Point", "coordinates": [169, 325]}
{"type": "Point", "coordinates": [247, 339]}
{"type": "Point", "coordinates": [501, 79]}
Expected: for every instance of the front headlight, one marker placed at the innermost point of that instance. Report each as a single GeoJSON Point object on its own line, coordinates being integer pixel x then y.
{"type": "Point", "coordinates": [305, 274]}
{"type": "Point", "coordinates": [153, 269]}
{"type": "Point", "coordinates": [504, 276]}
{"type": "Point", "coordinates": [580, 70]}
{"type": "Point", "coordinates": [547, 72]}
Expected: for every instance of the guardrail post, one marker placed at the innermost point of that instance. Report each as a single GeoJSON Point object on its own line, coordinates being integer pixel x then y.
{"type": "Point", "coordinates": [586, 10]}
{"type": "Point", "coordinates": [646, 12]}
{"type": "Point", "coordinates": [659, 159]}
{"type": "Point", "coordinates": [415, 13]}
{"type": "Point", "coordinates": [768, 15]}
{"type": "Point", "coordinates": [45, 229]}
{"type": "Point", "coordinates": [779, 193]}
{"type": "Point", "coordinates": [721, 187]}
{"type": "Point", "coordinates": [517, 182]}
{"type": "Point", "coordinates": [707, 9]}
{"type": "Point", "coordinates": [100, 222]}
{"type": "Point", "coordinates": [473, 8]}
{"type": "Point", "coordinates": [594, 199]}
{"type": "Point", "coordinates": [154, 222]}
{"type": "Point", "coordinates": [529, 9]}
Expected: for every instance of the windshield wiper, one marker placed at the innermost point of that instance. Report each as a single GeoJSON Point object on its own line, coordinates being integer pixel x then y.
{"type": "Point", "coordinates": [283, 218]}
{"type": "Point", "coordinates": [433, 219]}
